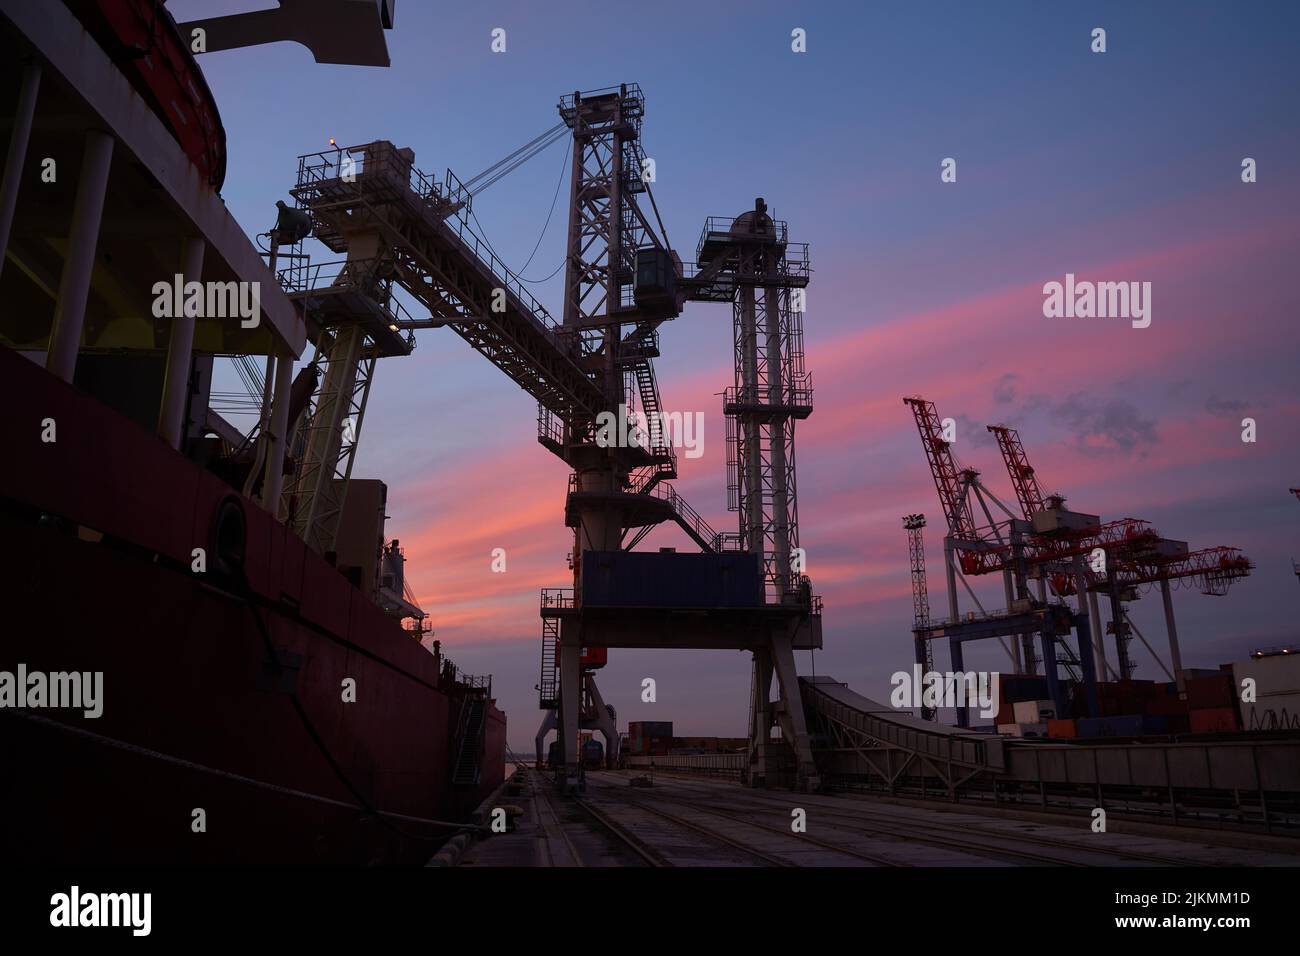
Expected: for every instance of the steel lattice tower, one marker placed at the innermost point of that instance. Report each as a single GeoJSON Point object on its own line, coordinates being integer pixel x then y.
{"type": "Point", "coordinates": [915, 525]}
{"type": "Point", "coordinates": [771, 389]}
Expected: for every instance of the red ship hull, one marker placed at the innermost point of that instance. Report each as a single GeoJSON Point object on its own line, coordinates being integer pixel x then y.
{"type": "Point", "coordinates": [220, 696]}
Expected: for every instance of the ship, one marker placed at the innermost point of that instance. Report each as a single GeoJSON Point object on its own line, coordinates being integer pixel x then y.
{"type": "Point", "coordinates": [210, 653]}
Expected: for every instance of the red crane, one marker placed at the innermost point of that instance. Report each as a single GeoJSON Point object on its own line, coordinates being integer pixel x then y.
{"type": "Point", "coordinates": [1136, 554]}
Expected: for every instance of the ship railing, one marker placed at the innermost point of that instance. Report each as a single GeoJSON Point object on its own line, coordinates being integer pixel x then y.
{"type": "Point", "coordinates": [451, 674]}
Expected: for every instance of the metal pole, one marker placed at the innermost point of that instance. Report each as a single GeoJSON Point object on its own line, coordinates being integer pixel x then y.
{"type": "Point", "coordinates": [1175, 655]}
{"type": "Point", "coordinates": [278, 439]}
{"type": "Point", "coordinates": [955, 655]}
{"type": "Point", "coordinates": [1117, 618]}
{"type": "Point", "coordinates": [18, 139]}
{"type": "Point", "coordinates": [952, 579]}
{"type": "Point", "coordinates": [180, 352]}
{"type": "Point", "coordinates": [1098, 642]}
{"type": "Point", "coordinates": [74, 286]}
{"type": "Point", "coordinates": [1017, 655]}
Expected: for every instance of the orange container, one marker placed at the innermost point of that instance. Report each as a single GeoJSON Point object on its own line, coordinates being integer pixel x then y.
{"type": "Point", "coordinates": [1062, 728]}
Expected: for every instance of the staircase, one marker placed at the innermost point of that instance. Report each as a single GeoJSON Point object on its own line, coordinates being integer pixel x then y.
{"type": "Point", "coordinates": [467, 771]}
{"type": "Point", "coordinates": [665, 461]}
{"type": "Point", "coordinates": [548, 686]}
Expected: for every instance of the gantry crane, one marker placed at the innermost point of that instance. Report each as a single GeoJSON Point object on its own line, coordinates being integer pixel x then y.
{"type": "Point", "coordinates": [996, 545]}
{"type": "Point", "coordinates": [1135, 555]}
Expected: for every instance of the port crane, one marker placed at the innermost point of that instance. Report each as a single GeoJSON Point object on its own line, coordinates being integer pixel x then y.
{"type": "Point", "coordinates": [1057, 549]}
{"type": "Point", "coordinates": [400, 229]}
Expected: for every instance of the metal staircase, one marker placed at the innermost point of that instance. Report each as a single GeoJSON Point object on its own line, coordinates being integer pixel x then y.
{"type": "Point", "coordinates": [548, 687]}
{"type": "Point", "coordinates": [467, 770]}
{"type": "Point", "coordinates": [663, 459]}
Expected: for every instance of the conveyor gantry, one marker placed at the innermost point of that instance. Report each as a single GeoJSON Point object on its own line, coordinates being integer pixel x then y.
{"type": "Point", "coordinates": [371, 202]}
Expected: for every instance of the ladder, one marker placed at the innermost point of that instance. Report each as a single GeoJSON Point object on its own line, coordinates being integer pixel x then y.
{"type": "Point", "coordinates": [548, 687]}
{"type": "Point", "coordinates": [467, 770]}
{"type": "Point", "coordinates": [665, 461]}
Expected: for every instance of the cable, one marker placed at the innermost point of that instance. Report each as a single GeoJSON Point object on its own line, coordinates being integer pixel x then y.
{"type": "Point", "coordinates": [506, 171]}
{"type": "Point", "coordinates": [551, 136]}
{"type": "Point", "coordinates": [560, 182]}
{"type": "Point", "coordinates": [550, 132]}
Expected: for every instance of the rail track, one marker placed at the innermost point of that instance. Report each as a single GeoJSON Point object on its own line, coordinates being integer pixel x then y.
{"type": "Point", "coordinates": [907, 826]}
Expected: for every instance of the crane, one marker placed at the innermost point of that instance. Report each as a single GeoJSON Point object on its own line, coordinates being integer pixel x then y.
{"type": "Point", "coordinates": [1135, 555]}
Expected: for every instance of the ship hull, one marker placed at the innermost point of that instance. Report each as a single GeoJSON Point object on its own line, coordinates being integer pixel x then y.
{"type": "Point", "coordinates": [275, 715]}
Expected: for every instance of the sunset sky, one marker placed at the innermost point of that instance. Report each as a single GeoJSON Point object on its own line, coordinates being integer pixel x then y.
{"type": "Point", "coordinates": [1122, 166]}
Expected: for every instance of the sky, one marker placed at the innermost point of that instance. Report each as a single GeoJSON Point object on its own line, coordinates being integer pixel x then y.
{"type": "Point", "coordinates": [1117, 166]}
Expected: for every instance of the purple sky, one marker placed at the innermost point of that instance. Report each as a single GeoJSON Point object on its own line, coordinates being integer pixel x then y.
{"type": "Point", "coordinates": [1115, 167]}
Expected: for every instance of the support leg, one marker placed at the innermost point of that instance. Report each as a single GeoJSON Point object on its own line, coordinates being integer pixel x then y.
{"type": "Point", "coordinates": [1098, 635]}
{"type": "Point", "coordinates": [603, 721]}
{"type": "Point", "coordinates": [760, 718]}
{"type": "Point", "coordinates": [1047, 639]}
{"type": "Point", "coordinates": [1091, 659]}
{"type": "Point", "coordinates": [180, 353]}
{"type": "Point", "coordinates": [806, 778]}
{"type": "Point", "coordinates": [74, 285]}
{"type": "Point", "coordinates": [570, 705]}
{"type": "Point", "coordinates": [1175, 655]}
{"type": "Point", "coordinates": [549, 723]}
{"type": "Point", "coordinates": [954, 654]}
{"type": "Point", "coordinates": [927, 713]}
{"type": "Point", "coordinates": [19, 135]}
{"type": "Point", "coordinates": [1117, 619]}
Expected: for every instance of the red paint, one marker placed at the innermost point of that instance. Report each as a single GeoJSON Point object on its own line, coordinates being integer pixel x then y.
{"type": "Point", "coordinates": [186, 672]}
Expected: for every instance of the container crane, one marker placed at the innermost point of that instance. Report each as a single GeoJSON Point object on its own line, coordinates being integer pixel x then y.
{"type": "Point", "coordinates": [1135, 555]}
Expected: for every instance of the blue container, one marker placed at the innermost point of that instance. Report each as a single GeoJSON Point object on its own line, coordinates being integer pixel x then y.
{"type": "Point", "coordinates": [1090, 726]}
{"type": "Point", "coordinates": [1155, 724]}
{"type": "Point", "coordinates": [659, 579]}
{"type": "Point", "coordinates": [1127, 725]}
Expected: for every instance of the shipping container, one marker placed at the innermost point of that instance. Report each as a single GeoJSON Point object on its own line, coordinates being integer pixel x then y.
{"type": "Point", "coordinates": [1017, 687]}
{"type": "Point", "coordinates": [1034, 711]}
{"type": "Point", "coordinates": [1214, 720]}
{"type": "Point", "coordinates": [1119, 725]}
{"type": "Point", "coordinates": [1211, 693]}
{"type": "Point", "coordinates": [1166, 706]}
{"type": "Point", "coordinates": [1276, 689]}
{"type": "Point", "coordinates": [668, 579]}
{"type": "Point", "coordinates": [1063, 729]}
{"type": "Point", "coordinates": [650, 728]}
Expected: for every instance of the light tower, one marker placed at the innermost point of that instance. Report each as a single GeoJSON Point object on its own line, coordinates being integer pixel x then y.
{"type": "Point", "coordinates": [915, 525]}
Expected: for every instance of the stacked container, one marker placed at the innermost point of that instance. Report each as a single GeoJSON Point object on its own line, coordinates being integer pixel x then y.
{"type": "Point", "coordinates": [1212, 703]}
